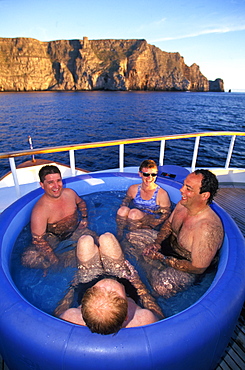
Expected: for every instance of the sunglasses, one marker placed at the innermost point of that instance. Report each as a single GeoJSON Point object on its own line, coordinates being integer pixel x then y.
{"type": "Point", "coordinates": [146, 174]}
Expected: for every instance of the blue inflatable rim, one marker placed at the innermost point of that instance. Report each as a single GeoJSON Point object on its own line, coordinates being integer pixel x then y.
{"type": "Point", "coordinates": [213, 315]}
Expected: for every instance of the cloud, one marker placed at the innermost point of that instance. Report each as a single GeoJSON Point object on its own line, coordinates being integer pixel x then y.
{"type": "Point", "coordinates": [160, 22]}
{"type": "Point", "coordinates": [152, 26]}
{"type": "Point", "coordinates": [200, 33]}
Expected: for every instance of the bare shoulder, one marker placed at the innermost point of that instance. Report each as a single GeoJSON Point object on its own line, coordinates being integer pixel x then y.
{"type": "Point", "coordinates": [40, 201]}
{"type": "Point", "coordinates": [69, 192]}
{"type": "Point", "coordinates": [207, 239]}
{"type": "Point", "coordinates": [163, 198]}
{"type": "Point", "coordinates": [145, 317]}
{"type": "Point", "coordinates": [73, 315]}
{"type": "Point", "coordinates": [139, 316]}
{"type": "Point", "coordinates": [40, 205]}
{"type": "Point", "coordinates": [132, 190]}
{"type": "Point", "coordinates": [210, 227]}
{"type": "Point", "coordinates": [210, 220]}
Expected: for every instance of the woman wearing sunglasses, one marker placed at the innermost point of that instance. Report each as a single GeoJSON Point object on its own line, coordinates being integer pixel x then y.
{"type": "Point", "coordinates": [146, 205]}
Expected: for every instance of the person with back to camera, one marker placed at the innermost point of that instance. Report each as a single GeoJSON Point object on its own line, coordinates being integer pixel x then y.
{"type": "Point", "coordinates": [190, 239]}
{"type": "Point", "coordinates": [58, 215]}
{"type": "Point", "coordinates": [105, 307]}
{"type": "Point", "coordinates": [150, 203]}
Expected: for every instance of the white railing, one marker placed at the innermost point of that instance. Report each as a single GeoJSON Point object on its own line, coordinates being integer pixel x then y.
{"type": "Point", "coordinates": [121, 143]}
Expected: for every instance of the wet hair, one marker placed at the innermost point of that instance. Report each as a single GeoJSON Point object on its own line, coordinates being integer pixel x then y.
{"type": "Point", "coordinates": [103, 311]}
{"type": "Point", "coordinates": [47, 170]}
{"type": "Point", "coordinates": [209, 183]}
{"type": "Point", "coordinates": [148, 163]}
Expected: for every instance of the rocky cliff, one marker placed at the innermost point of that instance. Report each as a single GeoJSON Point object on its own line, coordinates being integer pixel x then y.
{"type": "Point", "coordinates": [217, 85]}
{"type": "Point", "coordinates": [28, 64]}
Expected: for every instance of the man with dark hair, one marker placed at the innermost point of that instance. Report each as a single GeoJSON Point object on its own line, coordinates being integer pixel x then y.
{"type": "Point", "coordinates": [55, 217]}
{"type": "Point", "coordinates": [47, 170]}
{"type": "Point", "coordinates": [146, 205]}
{"type": "Point", "coordinates": [105, 307]}
{"type": "Point", "coordinates": [209, 183]}
{"type": "Point", "coordinates": [190, 239]}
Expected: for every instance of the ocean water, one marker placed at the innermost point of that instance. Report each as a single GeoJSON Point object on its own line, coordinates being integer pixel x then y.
{"type": "Point", "coordinates": [59, 118]}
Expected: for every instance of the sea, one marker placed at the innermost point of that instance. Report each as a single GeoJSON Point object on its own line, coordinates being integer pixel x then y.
{"type": "Point", "coordinates": [61, 118]}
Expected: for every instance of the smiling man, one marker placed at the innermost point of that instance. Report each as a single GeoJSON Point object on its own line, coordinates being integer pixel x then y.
{"type": "Point", "coordinates": [55, 217]}
{"type": "Point", "coordinates": [190, 239]}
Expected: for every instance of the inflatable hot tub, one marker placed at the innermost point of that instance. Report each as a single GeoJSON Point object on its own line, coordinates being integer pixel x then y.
{"type": "Point", "coordinates": [192, 339]}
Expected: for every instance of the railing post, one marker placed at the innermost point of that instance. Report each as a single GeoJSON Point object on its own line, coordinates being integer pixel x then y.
{"type": "Point", "coordinates": [162, 150]}
{"type": "Point", "coordinates": [14, 174]}
{"type": "Point", "coordinates": [228, 158]}
{"type": "Point", "coordinates": [121, 157]}
{"type": "Point", "coordinates": [72, 162]}
{"type": "Point", "coordinates": [194, 158]}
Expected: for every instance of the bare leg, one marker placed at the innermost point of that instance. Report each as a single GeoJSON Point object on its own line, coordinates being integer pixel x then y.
{"type": "Point", "coordinates": [130, 217]}
{"type": "Point", "coordinates": [89, 261]}
{"type": "Point", "coordinates": [135, 214]}
{"type": "Point", "coordinates": [121, 224]}
{"type": "Point", "coordinates": [109, 246]}
{"type": "Point", "coordinates": [123, 211]}
{"type": "Point", "coordinates": [138, 220]}
{"type": "Point", "coordinates": [86, 249]}
{"type": "Point", "coordinates": [111, 255]}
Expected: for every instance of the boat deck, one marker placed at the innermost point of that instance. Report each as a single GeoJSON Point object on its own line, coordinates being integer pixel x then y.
{"type": "Point", "coordinates": [232, 200]}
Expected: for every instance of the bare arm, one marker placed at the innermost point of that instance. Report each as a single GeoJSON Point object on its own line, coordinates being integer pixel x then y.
{"type": "Point", "coordinates": [131, 192]}
{"type": "Point", "coordinates": [183, 265]}
{"type": "Point", "coordinates": [126, 201]}
{"type": "Point", "coordinates": [164, 213]}
{"type": "Point", "coordinates": [65, 303]}
{"type": "Point", "coordinates": [163, 199]}
{"type": "Point", "coordinates": [206, 241]}
{"type": "Point", "coordinates": [146, 299]}
{"type": "Point", "coordinates": [39, 220]}
{"type": "Point", "coordinates": [164, 232]}
{"type": "Point", "coordinates": [165, 207]}
{"type": "Point", "coordinates": [81, 204]}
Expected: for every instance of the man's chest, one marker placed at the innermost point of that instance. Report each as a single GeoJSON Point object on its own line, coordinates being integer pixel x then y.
{"type": "Point", "coordinates": [184, 230]}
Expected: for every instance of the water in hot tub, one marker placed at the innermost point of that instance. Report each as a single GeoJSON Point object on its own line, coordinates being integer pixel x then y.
{"type": "Point", "coordinates": [44, 290]}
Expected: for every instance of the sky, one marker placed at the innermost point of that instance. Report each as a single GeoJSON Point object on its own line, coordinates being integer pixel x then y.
{"type": "Point", "coordinates": [210, 33]}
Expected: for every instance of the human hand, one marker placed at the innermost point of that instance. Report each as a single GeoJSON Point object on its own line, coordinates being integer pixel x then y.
{"type": "Point", "coordinates": [130, 273]}
{"type": "Point", "coordinates": [150, 248]}
{"type": "Point", "coordinates": [49, 255]}
{"type": "Point", "coordinates": [172, 261]}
